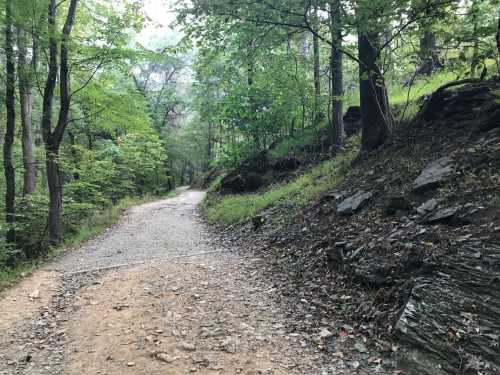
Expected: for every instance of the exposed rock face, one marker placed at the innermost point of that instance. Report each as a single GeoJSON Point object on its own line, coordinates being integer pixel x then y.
{"type": "Point", "coordinates": [433, 175]}
{"type": "Point", "coordinates": [247, 176]}
{"type": "Point", "coordinates": [473, 105]}
{"type": "Point", "coordinates": [256, 172]}
{"type": "Point", "coordinates": [354, 203]}
{"type": "Point", "coordinates": [451, 321]}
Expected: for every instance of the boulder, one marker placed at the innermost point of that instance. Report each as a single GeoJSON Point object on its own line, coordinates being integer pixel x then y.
{"type": "Point", "coordinates": [242, 183]}
{"type": "Point", "coordinates": [433, 175]}
{"type": "Point", "coordinates": [247, 176]}
{"type": "Point", "coordinates": [354, 203]}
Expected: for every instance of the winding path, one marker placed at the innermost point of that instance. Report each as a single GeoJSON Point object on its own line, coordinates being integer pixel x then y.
{"type": "Point", "coordinates": [153, 295]}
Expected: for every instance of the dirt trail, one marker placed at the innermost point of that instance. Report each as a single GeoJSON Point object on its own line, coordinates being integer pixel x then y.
{"type": "Point", "coordinates": [152, 295]}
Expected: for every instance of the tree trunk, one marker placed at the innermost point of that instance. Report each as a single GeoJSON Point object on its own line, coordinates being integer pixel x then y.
{"type": "Point", "coordinates": [25, 97]}
{"type": "Point", "coordinates": [498, 36]}
{"type": "Point", "coordinates": [374, 103]}
{"type": "Point", "coordinates": [10, 177]}
{"type": "Point", "coordinates": [428, 55]}
{"type": "Point", "coordinates": [53, 139]}
{"type": "Point", "coordinates": [317, 82]}
{"type": "Point", "coordinates": [475, 44]}
{"type": "Point", "coordinates": [337, 122]}
{"type": "Point", "coordinates": [55, 195]}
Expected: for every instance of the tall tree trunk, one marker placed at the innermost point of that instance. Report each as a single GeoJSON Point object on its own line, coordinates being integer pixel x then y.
{"type": "Point", "coordinates": [25, 97]}
{"type": "Point", "coordinates": [53, 139]}
{"type": "Point", "coordinates": [337, 84]}
{"type": "Point", "coordinates": [475, 43]}
{"type": "Point", "coordinates": [317, 82]}
{"type": "Point", "coordinates": [55, 194]}
{"type": "Point", "coordinates": [428, 55]}
{"type": "Point", "coordinates": [498, 35]}
{"type": "Point", "coordinates": [429, 59]}
{"type": "Point", "coordinates": [374, 103]}
{"type": "Point", "coordinates": [10, 88]}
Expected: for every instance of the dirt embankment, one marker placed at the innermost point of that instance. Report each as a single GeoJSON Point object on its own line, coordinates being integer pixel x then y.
{"type": "Point", "coordinates": [404, 255]}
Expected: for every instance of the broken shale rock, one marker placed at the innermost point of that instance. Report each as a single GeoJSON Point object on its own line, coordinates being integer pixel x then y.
{"type": "Point", "coordinates": [450, 322]}
{"type": "Point", "coordinates": [354, 203]}
{"type": "Point", "coordinates": [433, 175]}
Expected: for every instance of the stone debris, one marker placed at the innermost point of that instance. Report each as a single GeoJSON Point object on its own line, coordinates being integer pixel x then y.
{"type": "Point", "coordinates": [354, 203]}
{"type": "Point", "coordinates": [434, 174]}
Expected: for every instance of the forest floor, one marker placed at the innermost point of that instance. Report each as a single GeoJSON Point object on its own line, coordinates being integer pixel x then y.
{"type": "Point", "coordinates": [156, 294]}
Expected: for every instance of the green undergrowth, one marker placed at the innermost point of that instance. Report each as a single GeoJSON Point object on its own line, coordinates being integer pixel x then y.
{"type": "Point", "coordinates": [299, 192]}
{"type": "Point", "coordinates": [293, 144]}
{"type": "Point", "coordinates": [402, 99]}
{"type": "Point", "coordinates": [90, 227]}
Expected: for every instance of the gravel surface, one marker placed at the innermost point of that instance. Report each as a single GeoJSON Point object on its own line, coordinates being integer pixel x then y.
{"type": "Point", "coordinates": [150, 232]}
{"type": "Point", "coordinates": [155, 295]}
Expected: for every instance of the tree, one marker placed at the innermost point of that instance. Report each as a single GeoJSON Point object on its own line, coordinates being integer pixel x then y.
{"type": "Point", "coordinates": [337, 126]}
{"type": "Point", "coordinates": [10, 176]}
{"type": "Point", "coordinates": [25, 98]}
{"type": "Point", "coordinates": [53, 138]}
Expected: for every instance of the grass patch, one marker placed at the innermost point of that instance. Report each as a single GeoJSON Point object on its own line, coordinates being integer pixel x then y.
{"type": "Point", "coordinates": [299, 192]}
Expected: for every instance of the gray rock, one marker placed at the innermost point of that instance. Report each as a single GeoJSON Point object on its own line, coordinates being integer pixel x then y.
{"type": "Point", "coordinates": [230, 345]}
{"type": "Point", "coordinates": [187, 346]}
{"type": "Point", "coordinates": [354, 203]}
{"type": "Point", "coordinates": [443, 215]}
{"type": "Point", "coordinates": [164, 357]}
{"type": "Point", "coordinates": [433, 175]}
{"type": "Point", "coordinates": [427, 207]}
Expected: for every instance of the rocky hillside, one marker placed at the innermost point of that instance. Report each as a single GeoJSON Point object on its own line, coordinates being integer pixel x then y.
{"type": "Point", "coordinates": [402, 258]}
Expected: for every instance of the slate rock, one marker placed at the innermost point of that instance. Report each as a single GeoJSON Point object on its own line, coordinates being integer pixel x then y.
{"type": "Point", "coordinates": [433, 175]}
{"type": "Point", "coordinates": [354, 203]}
{"type": "Point", "coordinates": [427, 206]}
{"type": "Point", "coordinates": [444, 215]}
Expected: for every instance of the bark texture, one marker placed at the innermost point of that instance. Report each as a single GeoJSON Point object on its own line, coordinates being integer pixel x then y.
{"type": "Point", "coordinates": [53, 139]}
{"type": "Point", "coordinates": [374, 103]}
{"type": "Point", "coordinates": [337, 125]}
{"type": "Point", "coordinates": [25, 97]}
{"type": "Point", "coordinates": [10, 176]}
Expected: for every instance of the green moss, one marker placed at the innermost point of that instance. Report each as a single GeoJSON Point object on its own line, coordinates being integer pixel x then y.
{"type": "Point", "coordinates": [298, 192]}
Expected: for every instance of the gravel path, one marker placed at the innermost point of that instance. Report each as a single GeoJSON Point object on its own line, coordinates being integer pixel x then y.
{"type": "Point", "coordinates": [154, 295]}
{"type": "Point", "coordinates": [150, 232]}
